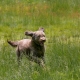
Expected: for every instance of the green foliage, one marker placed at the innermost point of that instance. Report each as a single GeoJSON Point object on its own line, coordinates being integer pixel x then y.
{"type": "Point", "coordinates": [60, 19]}
{"type": "Point", "coordinates": [37, 13]}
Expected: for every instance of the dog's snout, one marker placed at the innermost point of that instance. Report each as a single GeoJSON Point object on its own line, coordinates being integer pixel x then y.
{"type": "Point", "coordinates": [43, 39]}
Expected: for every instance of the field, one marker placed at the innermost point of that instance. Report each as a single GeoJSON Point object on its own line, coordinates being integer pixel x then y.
{"type": "Point", "coordinates": [61, 21]}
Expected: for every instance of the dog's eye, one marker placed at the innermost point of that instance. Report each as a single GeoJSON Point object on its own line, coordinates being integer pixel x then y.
{"type": "Point", "coordinates": [43, 35]}
{"type": "Point", "coordinates": [38, 35]}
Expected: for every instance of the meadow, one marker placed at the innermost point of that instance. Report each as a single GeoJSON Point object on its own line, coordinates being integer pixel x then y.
{"type": "Point", "coordinates": [61, 21]}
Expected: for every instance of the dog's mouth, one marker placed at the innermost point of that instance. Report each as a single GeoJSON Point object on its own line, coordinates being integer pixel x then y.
{"type": "Point", "coordinates": [42, 42]}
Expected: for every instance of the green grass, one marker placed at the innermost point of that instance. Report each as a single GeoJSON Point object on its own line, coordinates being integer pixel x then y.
{"type": "Point", "coordinates": [37, 13]}
{"type": "Point", "coordinates": [61, 21]}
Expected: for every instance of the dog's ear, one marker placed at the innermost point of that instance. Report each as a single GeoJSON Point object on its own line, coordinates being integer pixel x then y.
{"type": "Point", "coordinates": [29, 33]}
{"type": "Point", "coordinates": [41, 29]}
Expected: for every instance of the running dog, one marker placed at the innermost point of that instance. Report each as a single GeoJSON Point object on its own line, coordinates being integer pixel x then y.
{"type": "Point", "coordinates": [33, 48]}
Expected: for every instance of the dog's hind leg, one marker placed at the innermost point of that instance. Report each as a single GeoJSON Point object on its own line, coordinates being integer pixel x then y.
{"type": "Point", "coordinates": [18, 55]}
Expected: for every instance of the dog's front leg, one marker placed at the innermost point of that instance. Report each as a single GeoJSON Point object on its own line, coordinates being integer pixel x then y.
{"type": "Point", "coordinates": [38, 60]}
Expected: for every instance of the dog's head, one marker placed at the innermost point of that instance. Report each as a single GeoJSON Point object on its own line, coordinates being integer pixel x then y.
{"type": "Point", "coordinates": [38, 36]}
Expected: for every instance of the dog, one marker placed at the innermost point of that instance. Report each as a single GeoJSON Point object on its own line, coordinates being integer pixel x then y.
{"type": "Point", "coordinates": [33, 48]}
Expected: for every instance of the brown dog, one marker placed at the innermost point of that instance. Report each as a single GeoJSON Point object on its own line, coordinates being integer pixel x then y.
{"type": "Point", "coordinates": [33, 48]}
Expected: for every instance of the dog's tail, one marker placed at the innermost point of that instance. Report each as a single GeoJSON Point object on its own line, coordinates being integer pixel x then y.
{"type": "Point", "coordinates": [13, 43]}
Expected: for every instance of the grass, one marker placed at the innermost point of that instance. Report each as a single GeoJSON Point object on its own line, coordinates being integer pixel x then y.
{"type": "Point", "coordinates": [37, 13]}
{"type": "Point", "coordinates": [61, 20]}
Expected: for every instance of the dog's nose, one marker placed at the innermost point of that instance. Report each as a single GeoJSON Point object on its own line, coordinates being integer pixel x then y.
{"type": "Point", "coordinates": [43, 39]}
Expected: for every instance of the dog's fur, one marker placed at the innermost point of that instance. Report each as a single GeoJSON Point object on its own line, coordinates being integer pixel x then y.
{"type": "Point", "coordinates": [33, 48]}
